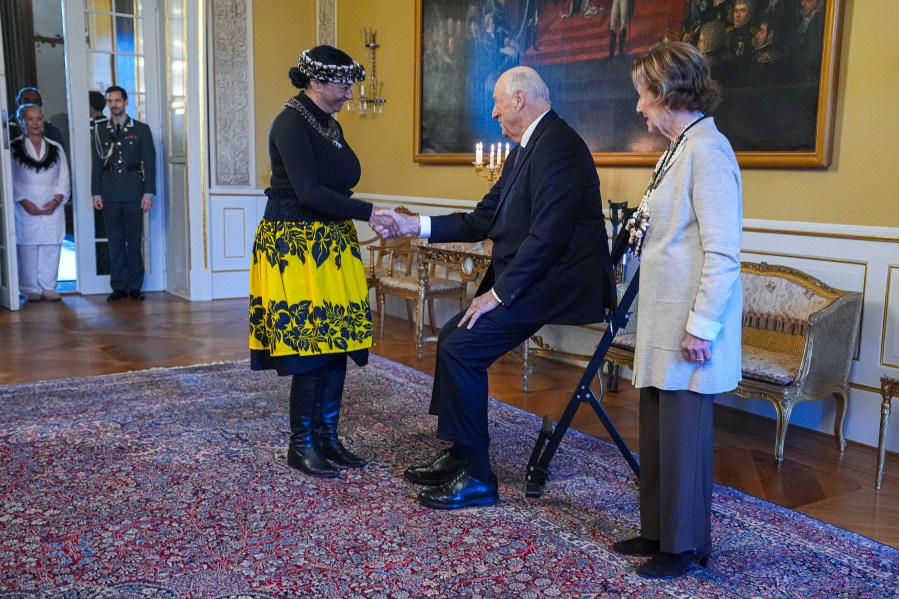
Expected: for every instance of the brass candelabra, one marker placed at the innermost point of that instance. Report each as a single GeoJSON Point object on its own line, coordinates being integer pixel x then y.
{"type": "Point", "coordinates": [491, 170]}
{"type": "Point", "coordinates": [487, 172]}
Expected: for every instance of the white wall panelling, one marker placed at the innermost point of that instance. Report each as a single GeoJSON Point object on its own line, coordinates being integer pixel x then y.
{"type": "Point", "coordinates": [232, 225]}
{"type": "Point", "coordinates": [847, 257]}
{"type": "Point", "coordinates": [853, 258]}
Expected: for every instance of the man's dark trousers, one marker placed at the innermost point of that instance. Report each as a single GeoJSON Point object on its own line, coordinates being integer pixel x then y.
{"type": "Point", "coordinates": [460, 379]}
{"type": "Point", "coordinates": [124, 231]}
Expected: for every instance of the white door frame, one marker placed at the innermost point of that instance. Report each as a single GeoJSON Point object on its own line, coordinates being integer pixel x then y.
{"type": "Point", "coordinates": [9, 293]}
{"type": "Point", "coordinates": [78, 87]}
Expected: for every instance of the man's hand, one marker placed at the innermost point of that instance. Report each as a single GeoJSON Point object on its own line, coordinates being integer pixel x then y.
{"type": "Point", "coordinates": [98, 203]}
{"type": "Point", "coordinates": [383, 224]}
{"type": "Point", "coordinates": [486, 302]}
{"type": "Point", "coordinates": [389, 224]}
{"type": "Point", "coordinates": [146, 202]}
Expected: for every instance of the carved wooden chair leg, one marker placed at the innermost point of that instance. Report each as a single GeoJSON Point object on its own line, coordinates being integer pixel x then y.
{"type": "Point", "coordinates": [611, 376]}
{"type": "Point", "coordinates": [842, 406]}
{"type": "Point", "coordinates": [381, 311]}
{"type": "Point", "coordinates": [409, 312]}
{"type": "Point", "coordinates": [783, 421]}
{"type": "Point", "coordinates": [431, 320]}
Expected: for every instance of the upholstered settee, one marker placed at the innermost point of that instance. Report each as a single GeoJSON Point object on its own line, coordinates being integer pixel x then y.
{"type": "Point", "coordinates": [799, 336]}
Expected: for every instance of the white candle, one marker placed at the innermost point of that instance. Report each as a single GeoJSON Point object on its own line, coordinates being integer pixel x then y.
{"type": "Point", "coordinates": [479, 153]}
{"type": "Point", "coordinates": [492, 153]}
{"type": "Point", "coordinates": [507, 151]}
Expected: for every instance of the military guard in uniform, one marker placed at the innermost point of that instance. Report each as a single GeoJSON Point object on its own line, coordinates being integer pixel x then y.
{"type": "Point", "coordinates": [123, 183]}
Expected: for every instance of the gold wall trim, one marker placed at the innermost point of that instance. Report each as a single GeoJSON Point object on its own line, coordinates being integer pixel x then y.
{"type": "Point", "coordinates": [886, 313]}
{"type": "Point", "coordinates": [828, 235]}
{"type": "Point", "coordinates": [868, 388]}
{"type": "Point", "coordinates": [201, 112]}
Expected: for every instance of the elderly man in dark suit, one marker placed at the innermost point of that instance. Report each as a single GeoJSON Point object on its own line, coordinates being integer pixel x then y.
{"type": "Point", "coordinates": [123, 182]}
{"type": "Point", "coordinates": [550, 265]}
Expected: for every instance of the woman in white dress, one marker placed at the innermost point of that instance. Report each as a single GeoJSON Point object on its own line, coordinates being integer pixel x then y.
{"type": "Point", "coordinates": [40, 188]}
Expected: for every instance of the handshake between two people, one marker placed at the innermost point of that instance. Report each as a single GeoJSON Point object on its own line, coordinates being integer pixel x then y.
{"type": "Point", "coordinates": [390, 224]}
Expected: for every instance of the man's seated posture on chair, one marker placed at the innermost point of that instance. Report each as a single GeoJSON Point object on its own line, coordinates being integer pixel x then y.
{"type": "Point", "coordinates": [550, 265]}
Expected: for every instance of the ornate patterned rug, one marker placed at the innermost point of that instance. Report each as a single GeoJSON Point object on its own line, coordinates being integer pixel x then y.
{"type": "Point", "coordinates": [172, 483]}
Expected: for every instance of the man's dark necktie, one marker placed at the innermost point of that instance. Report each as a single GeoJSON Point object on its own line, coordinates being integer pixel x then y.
{"type": "Point", "coordinates": [118, 129]}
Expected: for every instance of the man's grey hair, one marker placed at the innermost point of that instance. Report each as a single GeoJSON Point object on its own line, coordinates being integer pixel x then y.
{"type": "Point", "coordinates": [527, 80]}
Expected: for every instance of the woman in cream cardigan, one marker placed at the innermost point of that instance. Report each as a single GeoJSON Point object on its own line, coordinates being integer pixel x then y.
{"type": "Point", "coordinates": [687, 234]}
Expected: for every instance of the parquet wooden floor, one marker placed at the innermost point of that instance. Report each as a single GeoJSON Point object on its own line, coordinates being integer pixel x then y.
{"type": "Point", "coordinates": [85, 335]}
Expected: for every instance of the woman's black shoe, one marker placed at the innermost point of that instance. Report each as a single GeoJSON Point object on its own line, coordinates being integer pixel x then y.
{"type": "Point", "coordinates": [325, 430]}
{"type": "Point", "coordinates": [672, 565]}
{"type": "Point", "coordinates": [307, 459]}
{"type": "Point", "coordinates": [639, 546]}
{"type": "Point", "coordinates": [333, 449]}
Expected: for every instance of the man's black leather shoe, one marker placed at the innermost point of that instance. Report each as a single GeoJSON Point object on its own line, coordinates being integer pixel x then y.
{"type": "Point", "coordinates": [461, 492]}
{"type": "Point", "coordinates": [439, 470]}
{"type": "Point", "coordinates": [671, 565]}
{"type": "Point", "coordinates": [116, 295]}
{"type": "Point", "coordinates": [136, 295]}
{"type": "Point", "coordinates": [639, 546]}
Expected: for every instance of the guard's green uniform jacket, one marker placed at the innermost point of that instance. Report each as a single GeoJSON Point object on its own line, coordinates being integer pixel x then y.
{"type": "Point", "coordinates": [124, 163]}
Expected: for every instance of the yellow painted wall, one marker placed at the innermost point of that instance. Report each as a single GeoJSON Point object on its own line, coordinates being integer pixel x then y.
{"type": "Point", "coordinates": [857, 189]}
{"type": "Point", "coordinates": [281, 30]}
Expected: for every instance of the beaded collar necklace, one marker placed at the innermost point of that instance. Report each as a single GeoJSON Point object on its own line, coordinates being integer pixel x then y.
{"type": "Point", "coordinates": [49, 160]}
{"type": "Point", "coordinates": [331, 132]}
{"type": "Point", "coordinates": [638, 223]}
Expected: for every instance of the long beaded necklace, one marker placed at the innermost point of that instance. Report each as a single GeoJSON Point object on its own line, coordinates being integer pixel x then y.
{"type": "Point", "coordinates": [638, 223]}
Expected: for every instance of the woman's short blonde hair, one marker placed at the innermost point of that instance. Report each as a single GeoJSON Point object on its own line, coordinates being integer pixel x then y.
{"type": "Point", "coordinates": [20, 113]}
{"type": "Point", "coordinates": [678, 76]}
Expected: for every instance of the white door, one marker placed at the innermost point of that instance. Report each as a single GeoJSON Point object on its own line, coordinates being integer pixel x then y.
{"type": "Point", "coordinates": [113, 43]}
{"type": "Point", "coordinates": [9, 275]}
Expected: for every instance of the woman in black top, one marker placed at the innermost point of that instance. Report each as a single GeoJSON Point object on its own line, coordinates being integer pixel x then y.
{"type": "Point", "coordinates": [309, 304]}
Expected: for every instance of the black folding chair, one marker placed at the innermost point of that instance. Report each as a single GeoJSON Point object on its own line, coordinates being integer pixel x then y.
{"type": "Point", "coordinates": [549, 438]}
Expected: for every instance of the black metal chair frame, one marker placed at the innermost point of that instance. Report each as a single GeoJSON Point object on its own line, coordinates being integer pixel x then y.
{"type": "Point", "coordinates": [549, 438]}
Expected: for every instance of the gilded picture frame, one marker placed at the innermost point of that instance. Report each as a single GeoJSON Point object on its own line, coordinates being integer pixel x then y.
{"type": "Point", "coordinates": [777, 112]}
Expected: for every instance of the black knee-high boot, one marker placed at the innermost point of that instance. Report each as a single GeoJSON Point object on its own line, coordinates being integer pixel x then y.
{"type": "Point", "coordinates": [612, 41]}
{"type": "Point", "coordinates": [326, 437]}
{"type": "Point", "coordinates": [303, 453]}
{"type": "Point", "coordinates": [622, 39]}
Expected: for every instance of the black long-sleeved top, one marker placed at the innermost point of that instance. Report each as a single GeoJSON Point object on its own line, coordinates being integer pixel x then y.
{"type": "Point", "coordinates": [320, 174]}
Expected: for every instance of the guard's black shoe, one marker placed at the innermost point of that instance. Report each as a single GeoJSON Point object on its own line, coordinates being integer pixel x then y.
{"type": "Point", "coordinates": [461, 492]}
{"type": "Point", "coordinates": [116, 295]}
{"type": "Point", "coordinates": [136, 295]}
{"type": "Point", "coordinates": [444, 467]}
{"type": "Point", "coordinates": [639, 546]}
{"type": "Point", "coordinates": [672, 565]}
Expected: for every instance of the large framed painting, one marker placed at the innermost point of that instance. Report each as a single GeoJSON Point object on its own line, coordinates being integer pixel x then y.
{"type": "Point", "coordinates": [776, 62]}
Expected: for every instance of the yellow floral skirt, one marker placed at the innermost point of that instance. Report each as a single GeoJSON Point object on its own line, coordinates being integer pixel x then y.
{"type": "Point", "coordinates": [308, 294]}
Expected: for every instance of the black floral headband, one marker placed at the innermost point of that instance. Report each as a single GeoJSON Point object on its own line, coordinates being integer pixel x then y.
{"type": "Point", "coordinates": [347, 74]}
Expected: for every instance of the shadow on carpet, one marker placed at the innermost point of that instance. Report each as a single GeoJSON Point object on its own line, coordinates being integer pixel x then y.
{"type": "Point", "coordinates": [172, 483]}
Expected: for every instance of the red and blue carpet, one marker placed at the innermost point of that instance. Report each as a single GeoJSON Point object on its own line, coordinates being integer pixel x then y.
{"type": "Point", "coordinates": [172, 483]}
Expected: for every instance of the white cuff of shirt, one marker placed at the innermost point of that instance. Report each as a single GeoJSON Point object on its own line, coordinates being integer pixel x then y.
{"type": "Point", "coordinates": [424, 223]}
{"type": "Point", "coordinates": [496, 296]}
